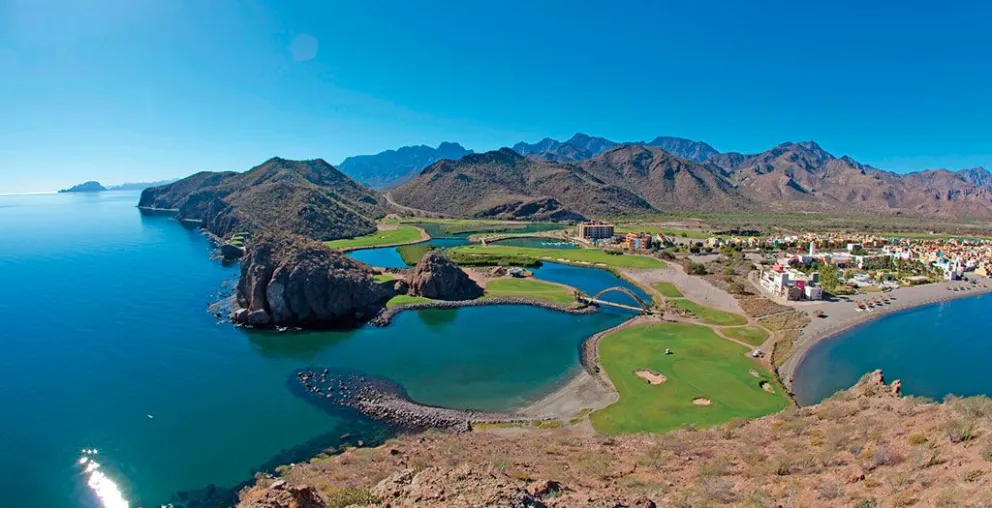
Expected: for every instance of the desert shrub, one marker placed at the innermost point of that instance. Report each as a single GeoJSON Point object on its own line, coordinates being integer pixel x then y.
{"type": "Point", "coordinates": [916, 439]}
{"type": "Point", "coordinates": [959, 431]}
{"type": "Point", "coordinates": [696, 269]}
{"type": "Point", "coordinates": [971, 407]}
{"type": "Point", "coordinates": [987, 452]}
{"type": "Point", "coordinates": [717, 466]}
{"type": "Point", "coordinates": [716, 490]}
{"type": "Point", "coordinates": [348, 496]}
{"type": "Point", "coordinates": [883, 456]}
{"type": "Point", "coordinates": [974, 475]}
{"type": "Point", "coordinates": [830, 491]}
{"type": "Point", "coordinates": [926, 457]}
{"type": "Point", "coordinates": [867, 503]}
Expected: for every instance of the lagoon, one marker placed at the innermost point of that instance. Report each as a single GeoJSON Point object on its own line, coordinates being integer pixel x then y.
{"type": "Point", "coordinates": [108, 345]}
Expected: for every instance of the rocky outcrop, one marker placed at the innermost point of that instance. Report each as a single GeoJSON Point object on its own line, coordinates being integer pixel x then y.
{"type": "Point", "coordinates": [280, 495]}
{"type": "Point", "coordinates": [437, 277]}
{"type": "Point", "coordinates": [290, 280]}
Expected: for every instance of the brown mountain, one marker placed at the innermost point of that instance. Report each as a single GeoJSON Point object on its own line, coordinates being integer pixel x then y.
{"type": "Point", "coordinates": [667, 182]}
{"type": "Point", "coordinates": [308, 198]}
{"type": "Point", "coordinates": [505, 184]}
{"type": "Point", "coordinates": [804, 177]}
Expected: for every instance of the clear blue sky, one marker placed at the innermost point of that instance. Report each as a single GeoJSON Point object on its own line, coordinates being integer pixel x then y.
{"type": "Point", "coordinates": [126, 90]}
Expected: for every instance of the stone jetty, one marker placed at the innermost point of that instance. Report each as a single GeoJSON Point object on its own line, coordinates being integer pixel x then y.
{"type": "Point", "coordinates": [382, 400]}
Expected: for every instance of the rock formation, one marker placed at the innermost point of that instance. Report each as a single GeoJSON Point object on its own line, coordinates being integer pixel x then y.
{"type": "Point", "coordinates": [290, 280]}
{"type": "Point", "coordinates": [437, 277]}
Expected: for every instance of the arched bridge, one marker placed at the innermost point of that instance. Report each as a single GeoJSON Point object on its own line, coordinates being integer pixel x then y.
{"type": "Point", "coordinates": [643, 306]}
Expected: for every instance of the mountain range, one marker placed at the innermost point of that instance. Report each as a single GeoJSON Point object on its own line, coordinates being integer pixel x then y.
{"type": "Point", "coordinates": [573, 178]}
{"type": "Point", "coordinates": [395, 167]}
{"type": "Point", "coordinates": [92, 186]}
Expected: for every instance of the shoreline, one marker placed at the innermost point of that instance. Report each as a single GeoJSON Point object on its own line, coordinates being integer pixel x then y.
{"type": "Point", "coordinates": [385, 317]}
{"type": "Point", "coordinates": [821, 329]}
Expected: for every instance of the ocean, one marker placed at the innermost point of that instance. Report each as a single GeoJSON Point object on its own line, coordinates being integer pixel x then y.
{"type": "Point", "coordinates": [122, 388]}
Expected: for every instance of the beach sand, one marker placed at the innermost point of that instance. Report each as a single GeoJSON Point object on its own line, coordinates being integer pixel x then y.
{"type": "Point", "coordinates": [842, 315]}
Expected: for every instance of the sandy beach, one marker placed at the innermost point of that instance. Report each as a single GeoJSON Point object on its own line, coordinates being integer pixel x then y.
{"type": "Point", "coordinates": [842, 314]}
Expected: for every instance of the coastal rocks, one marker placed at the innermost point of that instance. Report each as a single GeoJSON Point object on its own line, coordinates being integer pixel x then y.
{"type": "Point", "coordinates": [290, 280]}
{"type": "Point", "coordinates": [437, 277]}
{"type": "Point", "coordinates": [281, 495]}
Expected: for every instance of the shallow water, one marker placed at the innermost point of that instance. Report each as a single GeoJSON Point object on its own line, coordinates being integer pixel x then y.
{"type": "Point", "coordinates": [108, 345]}
{"type": "Point", "coordinates": [536, 242]}
{"type": "Point", "coordinates": [936, 350]}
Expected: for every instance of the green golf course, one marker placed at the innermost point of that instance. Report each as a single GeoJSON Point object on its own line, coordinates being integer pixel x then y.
{"type": "Point", "coordinates": [710, 315]}
{"type": "Point", "coordinates": [530, 288]}
{"type": "Point", "coordinates": [590, 256]}
{"type": "Point", "coordinates": [750, 334]}
{"type": "Point", "coordinates": [701, 366]}
{"type": "Point", "coordinates": [668, 290]}
{"type": "Point", "coordinates": [401, 235]}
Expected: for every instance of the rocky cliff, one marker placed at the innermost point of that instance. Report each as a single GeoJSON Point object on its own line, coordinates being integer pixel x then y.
{"type": "Point", "coordinates": [437, 277]}
{"type": "Point", "coordinates": [290, 280]}
{"type": "Point", "coordinates": [867, 446]}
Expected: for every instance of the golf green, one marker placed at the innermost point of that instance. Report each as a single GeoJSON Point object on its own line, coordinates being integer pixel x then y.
{"type": "Point", "coordinates": [701, 366]}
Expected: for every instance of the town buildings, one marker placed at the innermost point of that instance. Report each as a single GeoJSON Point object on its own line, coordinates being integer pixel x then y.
{"type": "Point", "coordinates": [596, 230]}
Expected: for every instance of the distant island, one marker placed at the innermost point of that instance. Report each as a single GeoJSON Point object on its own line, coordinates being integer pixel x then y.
{"type": "Point", "coordinates": [93, 186]}
{"type": "Point", "coordinates": [85, 187]}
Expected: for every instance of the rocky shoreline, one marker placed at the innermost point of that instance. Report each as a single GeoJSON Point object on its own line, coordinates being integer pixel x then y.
{"type": "Point", "coordinates": [386, 316]}
{"type": "Point", "coordinates": [383, 400]}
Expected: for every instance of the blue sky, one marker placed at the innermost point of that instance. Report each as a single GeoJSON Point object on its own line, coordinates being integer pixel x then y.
{"type": "Point", "coordinates": [131, 90]}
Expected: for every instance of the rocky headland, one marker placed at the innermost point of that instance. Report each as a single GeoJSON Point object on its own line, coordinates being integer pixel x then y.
{"type": "Point", "coordinates": [309, 198]}
{"type": "Point", "coordinates": [290, 280]}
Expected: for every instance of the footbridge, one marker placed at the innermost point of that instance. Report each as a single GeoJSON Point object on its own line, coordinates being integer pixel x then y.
{"type": "Point", "coordinates": [643, 306]}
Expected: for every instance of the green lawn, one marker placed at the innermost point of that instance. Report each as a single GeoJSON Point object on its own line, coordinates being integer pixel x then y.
{"type": "Point", "coordinates": [750, 334]}
{"type": "Point", "coordinates": [384, 277]}
{"type": "Point", "coordinates": [702, 366]}
{"type": "Point", "coordinates": [710, 315]}
{"type": "Point", "coordinates": [406, 299]}
{"type": "Point", "coordinates": [400, 235]}
{"type": "Point", "coordinates": [593, 256]}
{"type": "Point", "coordinates": [667, 289]}
{"type": "Point", "coordinates": [530, 288]}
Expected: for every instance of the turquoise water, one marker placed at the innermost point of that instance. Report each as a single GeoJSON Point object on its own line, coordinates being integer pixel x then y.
{"type": "Point", "coordinates": [589, 281]}
{"type": "Point", "coordinates": [936, 350]}
{"type": "Point", "coordinates": [108, 345]}
{"type": "Point", "coordinates": [389, 257]}
{"type": "Point", "coordinates": [540, 243]}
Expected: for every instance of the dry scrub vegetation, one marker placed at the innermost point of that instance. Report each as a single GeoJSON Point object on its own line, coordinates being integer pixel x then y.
{"type": "Point", "coordinates": [863, 447]}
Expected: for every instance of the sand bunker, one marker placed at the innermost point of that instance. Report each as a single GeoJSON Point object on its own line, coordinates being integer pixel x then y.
{"type": "Point", "coordinates": [699, 401]}
{"type": "Point", "coordinates": [652, 377]}
{"type": "Point", "coordinates": [754, 373]}
{"type": "Point", "coordinates": [766, 386]}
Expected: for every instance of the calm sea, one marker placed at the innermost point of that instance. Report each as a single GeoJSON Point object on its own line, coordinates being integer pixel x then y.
{"type": "Point", "coordinates": [936, 350]}
{"type": "Point", "coordinates": [119, 386]}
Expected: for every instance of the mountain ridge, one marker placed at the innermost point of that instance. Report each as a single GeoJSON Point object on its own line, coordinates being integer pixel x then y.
{"type": "Point", "coordinates": [390, 168]}
{"type": "Point", "coordinates": [309, 198]}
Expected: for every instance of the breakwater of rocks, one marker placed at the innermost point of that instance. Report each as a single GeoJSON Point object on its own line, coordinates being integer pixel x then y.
{"type": "Point", "coordinates": [386, 316]}
{"type": "Point", "coordinates": [383, 400]}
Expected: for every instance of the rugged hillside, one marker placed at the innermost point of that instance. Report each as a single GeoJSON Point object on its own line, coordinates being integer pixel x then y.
{"type": "Point", "coordinates": [978, 176]}
{"type": "Point", "coordinates": [803, 176]}
{"type": "Point", "coordinates": [696, 151]}
{"type": "Point", "coordinates": [309, 198]}
{"type": "Point", "coordinates": [396, 167]}
{"type": "Point", "coordinates": [863, 447]}
{"type": "Point", "coordinates": [667, 182]}
{"type": "Point", "coordinates": [582, 147]}
{"type": "Point", "coordinates": [504, 184]}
